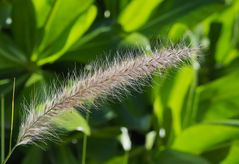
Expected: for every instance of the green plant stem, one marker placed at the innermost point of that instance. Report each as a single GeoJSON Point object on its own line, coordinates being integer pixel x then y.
{"type": "Point", "coordinates": [84, 146]}
{"type": "Point", "coordinates": [9, 154]}
{"type": "Point", "coordinates": [2, 130]}
{"type": "Point", "coordinates": [12, 115]}
{"type": "Point", "coordinates": [126, 157]}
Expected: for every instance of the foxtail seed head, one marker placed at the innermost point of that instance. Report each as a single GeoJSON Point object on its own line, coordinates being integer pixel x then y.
{"type": "Point", "coordinates": [103, 82]}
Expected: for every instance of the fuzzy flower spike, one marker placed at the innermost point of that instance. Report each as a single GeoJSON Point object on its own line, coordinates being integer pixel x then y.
{"type": "Point", "coordinates": [103, 82]}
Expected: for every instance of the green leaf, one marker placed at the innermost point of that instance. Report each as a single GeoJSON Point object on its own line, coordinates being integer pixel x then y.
{"type": "Point", "coordinates": [95, 44]}
{"type": "Point", "coordinates": [182, 11]}
{"type": "Point", "coordinates": [171, 96]}
{"type": "Point", "coordinates": [136, 14]}
{"type": "Point", "coordinates": [229, 34]}
{"type": "Point", "coordinates": [34, 155]}
{"type": "Point", "coordinates": [200, 138]}
{"type": "Point", "coordinates": [105, 149]}
{"type": "Point", "coordinates": [171, 156]}
{"type": "Point", "coordinates": [73, 33]}
{"type": "Point", "coordinates": [65, 156]}
{"type": "Point", "coordinates": [217, 154]}
{"type": "Point", "coordinates": [24, 25]}
{"type": "Point", "coordinates": [219, 99]}
{"type": "Point", "coordinates": [60, 21]}
{"type": "Point", "coordinates": [116, 160]}
{"type": "Point", "coordinates": [72, 120]}
{"type": "Point", "coordinates": [136, 40]}
{"type": "Point", "coordinates": [177, 32]}
{"type": "Point", "coordinates": [232, 156]}
{"type": "Point", "coordinates": [11, 56]}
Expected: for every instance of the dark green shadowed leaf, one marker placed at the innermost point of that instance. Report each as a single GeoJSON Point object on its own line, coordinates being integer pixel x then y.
{"type": "Point", "coordinates": [95, 44]}
{"type": "Point", "coordinates": [65, 156]}
{"type": "Point", "coordinates": [10, 55]}
{"type": "Point", "coordinates": [34, 155]}
{"type": "Point", "coordinates": [171, 156]}
{"type": "Point", "coordinates": [188, 12]}
{"type": "Point", "coordinates": [219, 99]}
{"type": "Point", "coordinates": [232, 156]}
{"type": "Point", "coordinates": [24, 25]}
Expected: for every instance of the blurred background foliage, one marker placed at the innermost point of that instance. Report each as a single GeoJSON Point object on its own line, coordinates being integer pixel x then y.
{"type": "Point", "coordinates": [191, 115]}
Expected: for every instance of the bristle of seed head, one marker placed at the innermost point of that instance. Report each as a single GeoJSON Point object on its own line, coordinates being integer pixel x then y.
{"type": "Point", "coordinates": [111, 80]}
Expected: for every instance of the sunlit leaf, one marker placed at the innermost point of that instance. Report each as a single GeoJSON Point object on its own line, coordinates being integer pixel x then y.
{"type": "Point", "coordinates": [70, 36]}
{"type": "Point", "coordinates": [199, 138]}
{"type": "Point", "coordinates": [137, 13]}
{"type": "Point", "coordinates": [72, 121]}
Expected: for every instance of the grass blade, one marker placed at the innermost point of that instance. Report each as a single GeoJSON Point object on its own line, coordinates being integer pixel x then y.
{"type": "Point", "coordinates": [2, 129]}
{"type": "Point", "coordinates": [12, 116]}
{"type": "Point", "coordinates": [84, 146]}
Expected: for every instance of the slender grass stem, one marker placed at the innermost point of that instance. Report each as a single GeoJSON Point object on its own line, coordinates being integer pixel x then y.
{"type": "Point", "coordinates": [2, 129]}
{"type": "Point", "coordinates": [84, 146]}
{"type": "Point", "coordinates": [9, 154]}
{"type": "Point", "coordinates": [12, 116]}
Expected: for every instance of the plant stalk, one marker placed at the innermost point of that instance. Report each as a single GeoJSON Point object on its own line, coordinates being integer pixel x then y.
{"type": "Point", "coordinates": [84, 147]}
{"type": "Point", "coordinates": [12, 115]}
{"type": "Point", "coordinates": [2, 129]}
{"type": "Point", "coordinates": [9, 154]}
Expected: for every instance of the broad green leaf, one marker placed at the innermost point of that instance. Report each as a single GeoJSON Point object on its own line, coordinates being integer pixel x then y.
{"type": "Point", "coordinates": [24, 25]}
{"type": "Point", "coordinates": [217, 154]}
{"type": "Point", "coordinates": [80, 26]}
{"type": "Point", "coordinates": [172, 94]}
{"type": "Point", "coordinates": [232, 156]}
{"type": "Point", "coordinates": [95, 44]}
{"type": "Point", "coordinates": [219, 99]}
{"type": "Point", "coordinates": [229, 34]}
{"type": "Point", "coordinates": [136, 14]}
{"type": "Point", "coordinates": [177, 32]}
{"type": "Point", "coordinates": [59, 24]}
{"type": "Point", "coordinates": [65, 156]}
{"type": "Point", "coordinates": [43, 9]}
{"type": "Point", "coordinates": [178, 95]}
{"type": "Point", "coordinates": [136, 40]}
{"type": "Point", "coordinates": [200, 138]}
{"type": "Point", "coordinates": [33, 155]}
{"type": "Point", "coordinates": [10, 55]}
{"type": "Point", "coordinates": [116, 160]}
{"type": "Point", "coordinates": [73, 34]}
{"type": "Point", "coordinates": [72, 120]}
{"type": "Point", "coordinates": [182, 11]}
{"type": "Point", "coordinates": [171, 156]}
